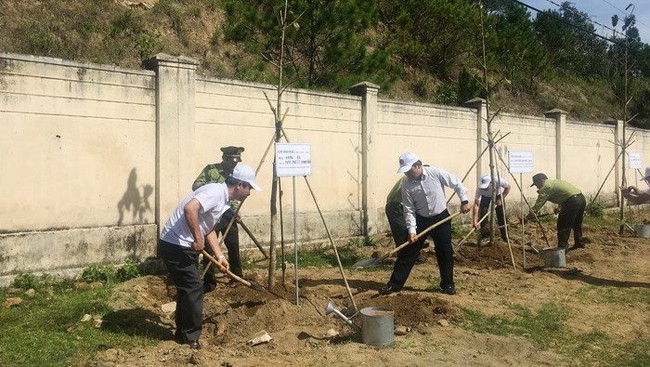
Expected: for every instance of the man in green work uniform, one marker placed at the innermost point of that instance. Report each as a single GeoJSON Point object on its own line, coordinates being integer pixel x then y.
{"type": "Point", "coordinates": [571, 208]}
{"type": "Point", "coordinates": [395, 215]}
{"type": "Point", "coordinates": [217, 173]}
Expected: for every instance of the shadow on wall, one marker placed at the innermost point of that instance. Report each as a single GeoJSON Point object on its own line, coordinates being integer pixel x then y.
{"type": "Point", "coordinates": [134, 202]}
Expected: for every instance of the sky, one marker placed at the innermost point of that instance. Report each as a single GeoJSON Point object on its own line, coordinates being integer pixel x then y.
{"type": "Point", "coordinates": [601, 11]}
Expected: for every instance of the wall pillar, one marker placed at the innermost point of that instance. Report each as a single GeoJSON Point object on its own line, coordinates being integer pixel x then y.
{"type": "Point", "coordinates": [369, 192]}
{"type": "Point", "coordinates": [175, 109]}
{"type": "Point", "coordinates": [480, 105]}
{"type": "Point", "coordinates": [560, 133]}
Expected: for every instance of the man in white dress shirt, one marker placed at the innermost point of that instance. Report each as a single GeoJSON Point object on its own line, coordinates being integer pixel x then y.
{"type": "Point", "coordinates": [425, 204]}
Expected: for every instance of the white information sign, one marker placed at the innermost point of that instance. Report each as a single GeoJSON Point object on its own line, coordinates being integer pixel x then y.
{"type": "Point", "coordinates": [520, 162]}
{"type": "Point", "coordinates": [635, 160]}
{"type": "Point", "coordinates": [292, 159]}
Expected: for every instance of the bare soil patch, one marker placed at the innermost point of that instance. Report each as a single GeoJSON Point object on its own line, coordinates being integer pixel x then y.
{"type": "Point", "coordinates": [429, 321]}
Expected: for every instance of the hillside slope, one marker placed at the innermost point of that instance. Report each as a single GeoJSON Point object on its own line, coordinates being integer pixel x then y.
{"type": "Point", "coordinates": [124, 33]}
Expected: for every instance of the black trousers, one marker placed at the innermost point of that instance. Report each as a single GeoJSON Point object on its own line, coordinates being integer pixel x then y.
{"type": "Point", "coordinates": [441, 237]}
{"type": "Point", "coordinates": [183, 266]}
{"type": "Point", "coordinates": [232, 244]}
{"type": "Point", "coordinates": [570, 217]}
{"type": "Point", "coordinates": [395, 216]}
{"type": "Point", "coordinates": [483, 208]}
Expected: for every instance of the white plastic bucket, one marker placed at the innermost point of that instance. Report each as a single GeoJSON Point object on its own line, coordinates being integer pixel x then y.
{"type": "Point", "coordinates": [554, 257]}
{"type": "Point", "coordinates": [378, 326]}
{"type": "Point", "coordinates": [642, 230]}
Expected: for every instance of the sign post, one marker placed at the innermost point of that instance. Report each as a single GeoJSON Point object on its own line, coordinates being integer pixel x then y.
{"type": "Point", "coordinates": [291, 160]}
{"type": "Point", "coordinates": [521, 162]}
{"type": "Point", "coordinates": [635, 164]}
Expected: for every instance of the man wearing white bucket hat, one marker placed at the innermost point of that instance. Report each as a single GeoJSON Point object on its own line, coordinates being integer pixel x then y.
{"type": "Point", "coordinates": [482, 200]}
{"type": "Point", "coordinates": [182, 240]}
{"type": "Point", "coordinates": [425, 204]}
{"type": "Point", "coordinates": [636, 196]}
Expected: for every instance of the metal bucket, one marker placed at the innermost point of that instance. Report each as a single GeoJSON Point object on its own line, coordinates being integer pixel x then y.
{"type": "Point", "coordinates": [554, 257]}
{"type": "Point", "coordinates": [642, 230]}
{"type": "Point", "coordinates": [378, 326]}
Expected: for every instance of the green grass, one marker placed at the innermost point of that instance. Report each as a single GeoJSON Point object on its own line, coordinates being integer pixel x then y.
{"type": "Point", "coordinates": [614, 295]}
{"type": "Point", "coordinates": [46, 330]}
{"type": "Point", "coordinates": [543, 326]}
{"type": "Point", "coordinates": [324, 257]}
{"type": "Point", "coordinates": [547, 328]}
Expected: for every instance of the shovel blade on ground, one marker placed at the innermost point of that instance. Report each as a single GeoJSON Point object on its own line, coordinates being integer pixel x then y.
{"type": "Point", "coordinates": [367, 263]}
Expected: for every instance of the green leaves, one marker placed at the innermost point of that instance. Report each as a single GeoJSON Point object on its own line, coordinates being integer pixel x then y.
{"type": "Point", "coordinates": [326, 42]}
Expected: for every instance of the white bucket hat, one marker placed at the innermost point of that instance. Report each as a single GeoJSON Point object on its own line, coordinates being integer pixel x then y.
{"type": "Point", "coordinates": [245, 174]}
{"type": "Point", "coordinates": [406, 161]}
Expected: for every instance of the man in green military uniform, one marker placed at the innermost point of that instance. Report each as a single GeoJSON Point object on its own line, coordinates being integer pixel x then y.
{"type": "Point", "coordinates": [395, 215]}
{"type": "Point", "coordinates": [217, 173]}
{"type": "Point", "coordinates": [571, 208]}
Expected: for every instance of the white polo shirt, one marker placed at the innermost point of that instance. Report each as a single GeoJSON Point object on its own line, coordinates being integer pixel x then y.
{"type": "Point", "coordinates": [213, 198]}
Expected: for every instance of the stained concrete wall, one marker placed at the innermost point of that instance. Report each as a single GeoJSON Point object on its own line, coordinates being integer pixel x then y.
{"type": "Point", "coordinates": [78, 164]}
{"type": "Point", "coordinates": [96, 157]}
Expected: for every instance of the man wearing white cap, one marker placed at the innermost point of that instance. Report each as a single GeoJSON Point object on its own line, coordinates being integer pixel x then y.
{"type": "Point", "coordinates": [425, 204]}
{"type": "Point", "coordinates": [482, 200]}
{"type": "Point", "coordinates": [182, 239]}
{"type": "Point", "coordinates": [634, 195]}
{"type": "Point", "coordinates": [217, 173]}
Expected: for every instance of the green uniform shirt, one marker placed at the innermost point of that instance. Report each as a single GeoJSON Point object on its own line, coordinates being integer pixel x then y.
{"type": "Point", "coordinates": [213, 173]}
{"type": "Point", "coordinates": [555, 191]}
{"type": "Point", "coordinates": [395, 194]}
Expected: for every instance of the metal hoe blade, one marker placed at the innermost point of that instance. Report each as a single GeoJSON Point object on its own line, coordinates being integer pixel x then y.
{"type": "Point", "coordinates": [366, 263]}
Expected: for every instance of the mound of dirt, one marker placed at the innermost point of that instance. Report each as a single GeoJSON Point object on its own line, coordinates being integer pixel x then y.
{"type": "Point", "coordinates": [487, 282]}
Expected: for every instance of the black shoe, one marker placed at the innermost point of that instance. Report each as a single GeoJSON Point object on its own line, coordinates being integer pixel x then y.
{"type": "Point", "coordinates": [388, 289]}
{"type": "Point", "coordinates": [194, 344]}
{"type": "Point", "coordinates": [449, 290]}
{"type": "Point", "coordinates": [208, 287]}
{"type": "Point", "coordinates": [577, 246]}
{"type": "Point", "coordinates": [420, 260]}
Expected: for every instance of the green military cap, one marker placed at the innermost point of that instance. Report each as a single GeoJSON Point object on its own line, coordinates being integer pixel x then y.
{"type": "Point", "coordinates": [232, 153]}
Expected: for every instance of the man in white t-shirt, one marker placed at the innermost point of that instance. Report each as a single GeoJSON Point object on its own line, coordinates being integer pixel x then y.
{"type": "Point", "coordinates": [182, 240]}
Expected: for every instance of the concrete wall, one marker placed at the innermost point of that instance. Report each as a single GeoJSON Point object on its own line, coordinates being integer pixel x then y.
{"type": "Point", "coordinates": [78, 165]}
{"type": "Point", "coordinates": [95, 158]}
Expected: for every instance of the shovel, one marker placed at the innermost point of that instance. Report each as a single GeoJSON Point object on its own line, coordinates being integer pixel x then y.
{"type": "Point", "coordinates": [245, 282]}
{"type": "Point", "coordinates": [377, 260]}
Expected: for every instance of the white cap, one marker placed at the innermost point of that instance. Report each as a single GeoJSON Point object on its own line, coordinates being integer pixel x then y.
{"type": "Point", "coordinates": [647, 173]}
{"type": "Point", "coordinates": [245, 174]}
{"type": "Point", "coordinates": [485, 182]}
{"type": "Point", "coordinates": [406, 161]}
